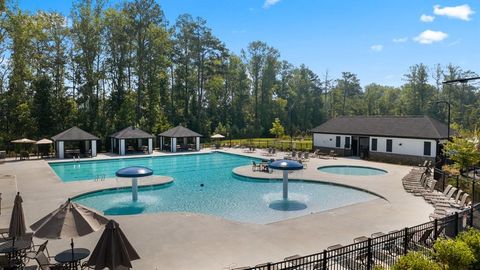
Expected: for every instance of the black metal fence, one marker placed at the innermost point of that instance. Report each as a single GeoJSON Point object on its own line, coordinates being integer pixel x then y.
{"type": "Point", "coordinates": [382, 249]}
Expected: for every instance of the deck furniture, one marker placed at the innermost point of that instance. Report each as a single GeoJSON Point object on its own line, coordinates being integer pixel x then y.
{"type": "Point", "coordinates": [71, 258]}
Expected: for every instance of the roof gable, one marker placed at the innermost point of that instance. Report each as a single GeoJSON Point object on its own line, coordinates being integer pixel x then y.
{"type": "Point", "coordinates": [131, 133]}
{"type": "Point", "coordinates": [179, 132]}
{"type": "Point", "coordinates": [74, 134]}
{"type": "Point", "coordinates": [389, 126]}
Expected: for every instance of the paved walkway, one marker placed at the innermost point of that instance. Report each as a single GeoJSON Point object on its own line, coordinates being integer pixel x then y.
{"type": "Point", "coordinates": [188, 240]}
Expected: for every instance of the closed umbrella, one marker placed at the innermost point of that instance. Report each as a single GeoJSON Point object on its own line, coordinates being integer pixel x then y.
{"type": "Point", "coordinates": [17, 226]}
{"type": "Point", "coordinates": [70, 220]}
{"type": "Point", "coordinates": [113, 250]}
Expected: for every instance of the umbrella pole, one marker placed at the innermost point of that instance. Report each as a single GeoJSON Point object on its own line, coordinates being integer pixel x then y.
{"type": "Point", "coordinates": [72, 245]}
{"type": "Point", "coordinates": [285, 184]}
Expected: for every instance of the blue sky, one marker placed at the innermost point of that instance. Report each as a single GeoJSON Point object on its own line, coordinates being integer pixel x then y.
{"type": "Point", "coordinates": [376, 39]}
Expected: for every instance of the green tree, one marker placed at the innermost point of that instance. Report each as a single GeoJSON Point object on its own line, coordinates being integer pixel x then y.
{"type": "Point", "coordinates": [463, 150]}
{"type": "Point", "coordinates": [277, 128]}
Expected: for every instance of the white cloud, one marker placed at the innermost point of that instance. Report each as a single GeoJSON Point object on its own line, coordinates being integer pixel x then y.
{"type": "Point", "coordinates": [269, 3]}
{"type": "Point", "coordinates": [429, 37]}
{"type": "Point", "coordinates": [427, 18]}
{"type": "Point", "coordinates": [462, 12]}
{"type": "Point", "coordinates": [400, 40]}
{"type": "Point", "coordinates": [376, 47]}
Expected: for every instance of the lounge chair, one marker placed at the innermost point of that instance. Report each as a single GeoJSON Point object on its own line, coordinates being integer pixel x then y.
{"type": "Point", "coordinates": [445, 192]}
{"type": "Point", "coordinates": [438, 214]}
{"type": "Point", "coordinates": [436, 199]}
{"type": "Point", "coordinates": [333, 155]}
{"type": "Point", "coordinates": [255, 166]}
{"type": "Point", "coordinates": [448, 204]}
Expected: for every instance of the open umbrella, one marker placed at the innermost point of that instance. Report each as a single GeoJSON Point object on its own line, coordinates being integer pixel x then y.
{"type": "Point", "coordinates": [113, 250]}
{"type": "Point", "coordinates": [44, 141]}
{"type": "Point", "coordinates": [70, 220]}
{"type": "Point", "coordinates": [17, 226]}
{"type": "Point", "coordinates": [217, 136]}
{"type": "Point", "coordinates": [24, 141]}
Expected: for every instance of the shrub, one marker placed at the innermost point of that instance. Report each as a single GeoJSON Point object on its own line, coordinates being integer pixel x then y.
{"type": "Point", "coordinates": [453, 254]}
{"type": "Point", "coordinates": [415, 261]}
{"type": "Point", "coordinates": [472, 239]}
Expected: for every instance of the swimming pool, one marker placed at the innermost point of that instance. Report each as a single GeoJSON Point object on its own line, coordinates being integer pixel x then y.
{"type": "Point", "coordinates": [352, 170]}
{"type": "Point", "coordinates": [222, 194]}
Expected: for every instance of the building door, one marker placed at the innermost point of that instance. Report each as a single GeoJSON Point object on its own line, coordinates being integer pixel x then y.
{"type": "Point", "coordinates": [354, 146]}
{"type": "Point", "coordinates": [364, 146]}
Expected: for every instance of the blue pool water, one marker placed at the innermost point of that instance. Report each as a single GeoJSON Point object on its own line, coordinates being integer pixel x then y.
{"type": "Point", "coordinates": [223, 194]}
{"type": "Point", "coordinates": [352, 170]}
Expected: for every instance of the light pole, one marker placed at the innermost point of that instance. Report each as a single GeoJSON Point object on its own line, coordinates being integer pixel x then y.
{"type": "Point", "coordinates": [448, 120]}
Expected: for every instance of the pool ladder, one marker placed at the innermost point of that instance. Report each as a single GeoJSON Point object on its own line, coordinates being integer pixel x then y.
{"type": "Point", "coordinates": [100, 177]}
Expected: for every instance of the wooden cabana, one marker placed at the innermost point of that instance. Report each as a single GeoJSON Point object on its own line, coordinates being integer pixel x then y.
{"type": "Point", "coordinates": [131, 139]}
{"type": "Point", "coordinates": [177, 139]}
{"type": "Point", "coordinates": [75, 142]}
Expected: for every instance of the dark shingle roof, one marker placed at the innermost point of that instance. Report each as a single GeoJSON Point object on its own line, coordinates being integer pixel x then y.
{"type": "Point", "coordinates": [131, 133]}
{"type": "Point", "coordinates": [74, 134]}
{"type": "Point", "coordinates": [179, 132]}
{"type": "Point", "coordinates": [423, 127]}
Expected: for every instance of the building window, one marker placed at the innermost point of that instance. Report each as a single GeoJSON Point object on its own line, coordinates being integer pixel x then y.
{"type": "Point", "coordinates": [389, 145]}
{"type": "Point", "coordinates": [427, 148]}
{"type": "Point", "coordinates": [347, 142]}
{"type": "Point", "coordinates": [374, 144]}
{"type": "Point", "coordinates": [337, 141]}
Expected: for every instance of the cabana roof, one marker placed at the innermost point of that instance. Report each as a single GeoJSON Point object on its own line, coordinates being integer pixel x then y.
{"type": "Point", "coordinates": [131, 133]}
{"type": "Point", "coordinates": [74, 134]}
{"type": "Point", "coordinates": [179, 132]}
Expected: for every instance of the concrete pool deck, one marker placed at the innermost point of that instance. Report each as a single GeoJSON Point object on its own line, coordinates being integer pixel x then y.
{"type": "Point", "coordinates": [189, 240]}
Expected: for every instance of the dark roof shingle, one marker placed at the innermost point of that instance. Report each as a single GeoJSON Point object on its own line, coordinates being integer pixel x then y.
{"type": "Point", "coordinates": [179, 132]}
{"type": "Point", "coordinates": [131, 133]}
{"type": "Point", "coordinates": [74, 134]}
{"type": "Point", "coordinates": [423, 127]}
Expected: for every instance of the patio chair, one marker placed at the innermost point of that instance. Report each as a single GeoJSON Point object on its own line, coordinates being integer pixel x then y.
{"type": "Point", "coordinates": [425, 240]}
{"type": "Point", "coordinates": [45, 263]}
{"type": "Point", "coordinates": [333, 155]}
{"type": "Point", "coordinates": [306, 156]}
{"type": "Point", "coordinates": [40, 248]}
{"type": "Point", "coordinates": [255, 166]}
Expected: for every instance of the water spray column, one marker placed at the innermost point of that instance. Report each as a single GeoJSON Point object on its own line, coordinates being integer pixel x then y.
{"type": "Point", "coordinates": [134, 173]}
{"type": "Point", "coordinates": [286, 166]}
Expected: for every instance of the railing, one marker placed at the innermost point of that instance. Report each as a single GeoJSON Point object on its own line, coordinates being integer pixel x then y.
{"type": "Point", "coordinates": [382, 250]}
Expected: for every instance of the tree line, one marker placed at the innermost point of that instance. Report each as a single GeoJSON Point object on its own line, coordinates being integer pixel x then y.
{"type": "Point", "coordinates": [104, 68]}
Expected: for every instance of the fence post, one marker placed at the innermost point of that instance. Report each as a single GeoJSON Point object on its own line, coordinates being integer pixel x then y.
{"type": "Point", "coordinates": [456, 224]}
{"type": "Point", "coordinates": [471, 215]}
{"type": "Point", "coordinates": [369, 256]}
{"type": "Point", "coordinates": [405, 241]}
{"type": "Point", "coordinates": [325, 262]}
{"type": "Point", "coordinates": [435, 235]}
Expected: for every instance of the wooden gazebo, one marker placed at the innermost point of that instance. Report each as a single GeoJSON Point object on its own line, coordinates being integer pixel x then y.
{"type": "Point", "coordinates": [118, 141]}
{"type": "Point", "coordinates": [87, 143]}
{"type": "Point", "coordinates": [169, 140]}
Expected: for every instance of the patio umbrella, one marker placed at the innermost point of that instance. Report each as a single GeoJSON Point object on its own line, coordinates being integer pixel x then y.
{"type": "Point", "coordinates": [113, 250]}
{"type": "Point", "coordinates": [70, 220]}
{"type": "Point", "coordinates": [44, 141]}
{"type": "Point", "coordinates": [24, 141]}
{"type": "Point", "coordinates": [17, 226]}
{"type": "Point", "coordinates": [217, 136]}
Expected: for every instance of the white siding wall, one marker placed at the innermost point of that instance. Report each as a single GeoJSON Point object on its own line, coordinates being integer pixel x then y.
{"type": "Point", "coordinates": [329, 140]}
{"type": "Point", "coordinates": [413, 147]}
{"type": "Point", "coordinates": [401, 146]}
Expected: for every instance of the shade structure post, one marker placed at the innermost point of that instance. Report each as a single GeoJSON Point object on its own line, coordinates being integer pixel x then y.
{"type": "Point", "coordinates": [111, 144]}
{"type": "Point", "coordinates": [139, 143]}
{"type": "Point", "coordinates": [134, 189]}
{"type": "Point", "coordinates": [150, 145]}
{"type": "Point", "coordinates": [173, 145]}
{"type": "Point", "coordinates": [285, 184]}
{"type": "Point", "coordinates": [197, 143]}
{"type": "Point", "coordinates": [122, 147]}
{"type": "Point", "coordinates": [60, 150]}
{"type": "Point", "coordinates": [94, 148]}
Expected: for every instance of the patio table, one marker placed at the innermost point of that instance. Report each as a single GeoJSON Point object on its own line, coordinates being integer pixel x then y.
{"type": "Point", "coordinates": [72, 258]}
{"type": "Point", "coordinates": [15, 251]}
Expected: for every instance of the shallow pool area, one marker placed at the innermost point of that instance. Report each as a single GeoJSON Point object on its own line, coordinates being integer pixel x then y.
{"type": "Point", "coordinates": [352, 170]}
{"type": "Point", "coordinates": [205, 184]}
